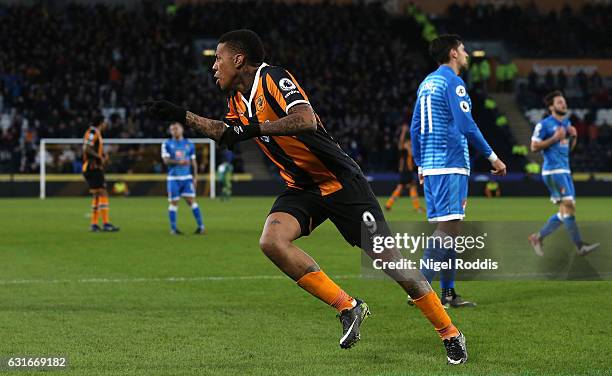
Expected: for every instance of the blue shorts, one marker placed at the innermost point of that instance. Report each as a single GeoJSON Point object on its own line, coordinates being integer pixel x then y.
{"type": "Point", "coordinates": [561, 187]}
{"type": "Point", "coordinates": [180, 188]}
{"type": "Point", "coordinates": [446, 196]}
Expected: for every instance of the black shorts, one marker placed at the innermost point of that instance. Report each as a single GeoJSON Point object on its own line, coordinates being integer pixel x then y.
{"type": "Point", "coordinates": [95, 179]}
{"type": "Point", "coordinates": [349, 209]}
{"type": "Point", "coordinates": [406, 177]}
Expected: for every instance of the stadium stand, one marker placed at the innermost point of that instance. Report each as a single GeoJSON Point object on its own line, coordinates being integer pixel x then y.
{"type": "Point", "coordinates": [52, 82]}
{"type": "Point", "coordinates": [533, 32]}
{"type": "Point", "coordinates": [358, 86]}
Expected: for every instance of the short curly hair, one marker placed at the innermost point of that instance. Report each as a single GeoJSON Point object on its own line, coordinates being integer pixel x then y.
{"type": "Point", "coordinates": [245, 42]}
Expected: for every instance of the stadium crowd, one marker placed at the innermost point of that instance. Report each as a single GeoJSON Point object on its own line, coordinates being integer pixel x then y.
{"type": "Point", "coordinates": [59, 66]}
{"type": "Point", "coordinates": [580, 32]}
{"type": "Point", "coordinates": [101, 57]}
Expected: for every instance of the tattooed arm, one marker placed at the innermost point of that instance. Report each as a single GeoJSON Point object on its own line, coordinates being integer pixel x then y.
{"type": "Point", "coordinates": [299, 119]}
{"type": "Point", "coordinates": [210, 128]}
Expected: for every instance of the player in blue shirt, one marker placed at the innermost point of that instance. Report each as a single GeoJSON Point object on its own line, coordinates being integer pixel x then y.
{"type": "Point", "coordinates": [442, 126]}
{"type": "Point", "coordinates": [179, 155]}
{"type": "Point", "coordinates": [554, 136]}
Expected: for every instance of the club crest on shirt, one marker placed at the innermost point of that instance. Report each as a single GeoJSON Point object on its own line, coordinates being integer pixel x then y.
{"type": "Point", "coordinates": [259, 103]}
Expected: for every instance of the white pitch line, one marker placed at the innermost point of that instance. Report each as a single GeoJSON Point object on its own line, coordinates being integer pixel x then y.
{"type": "Point", "coordinates": [149, 280]}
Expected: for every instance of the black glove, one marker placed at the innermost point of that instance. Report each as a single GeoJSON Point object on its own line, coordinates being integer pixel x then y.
{"type": "Point", "coordinates": [233, 134]}
{"type": "Point", "coordinates": [164, 110]}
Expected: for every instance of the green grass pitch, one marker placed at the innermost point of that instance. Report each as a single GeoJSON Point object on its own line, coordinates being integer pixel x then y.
{"type": "Point", "coordinates": [143, 302]}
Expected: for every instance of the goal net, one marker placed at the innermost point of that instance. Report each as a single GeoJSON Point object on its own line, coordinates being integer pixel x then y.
{"type": "Point", "coordinates": [133, 161]}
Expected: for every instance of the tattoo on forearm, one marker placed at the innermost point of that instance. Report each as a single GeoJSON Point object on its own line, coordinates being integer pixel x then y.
{"type": "Point", "coordinates": [299, 120]}
{"type": "Point", "coordinates": [289, 125]}
{"type": "Point", "coordinates": [210, 128]}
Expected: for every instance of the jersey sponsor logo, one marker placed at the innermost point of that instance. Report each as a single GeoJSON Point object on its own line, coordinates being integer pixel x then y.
{"type": "Point", "coordinates": [238, 129]}
{"type": "Point", "coordinates": [286, 84]}
{"type": "Point", "coordinates": [460, 90]}
{"type": "Point", "coordinates": [465, 107]}
{"type": "Point", "coordinates": [179, 154]}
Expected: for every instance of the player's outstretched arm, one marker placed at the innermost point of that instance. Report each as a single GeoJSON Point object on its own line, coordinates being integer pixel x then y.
{"type": "Point", "coordinates": [211, 128]}
{"type": "Point", "coordinates": [164, 110]}
{"type": "Point", "coordinates": [299, 119]}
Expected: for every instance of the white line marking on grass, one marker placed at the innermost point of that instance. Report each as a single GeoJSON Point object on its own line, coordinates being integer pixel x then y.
{"type": "Point", "coordinates": [149, 280]}
{"type": "Point", "coordinates": [505, 276]}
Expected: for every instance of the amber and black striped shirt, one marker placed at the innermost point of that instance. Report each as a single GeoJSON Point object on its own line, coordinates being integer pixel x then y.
{"type": "Point", "coordinates": [313, 161]}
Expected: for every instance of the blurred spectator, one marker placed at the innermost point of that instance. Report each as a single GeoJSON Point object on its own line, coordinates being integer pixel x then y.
{"type": "Point", "coordinates": [561, 80]}
{"type": "Point", "coordinates": [58, 65]}
{"type": "Point", "coordinates": [534, 33]}
{"type": "Point", "coordinates": [505, 72]}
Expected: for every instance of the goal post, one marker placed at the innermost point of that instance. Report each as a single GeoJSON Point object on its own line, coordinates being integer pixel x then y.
{"type": "Point", "coordinates": [45, 142]}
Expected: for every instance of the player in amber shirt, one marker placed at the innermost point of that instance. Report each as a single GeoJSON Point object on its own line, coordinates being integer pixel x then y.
{"type": "Point", "coordinates": [266, 103]}
{"type": "Point", "coordinates": [94, 160]}
{"type": "Point", "coordinates": [406, 171]}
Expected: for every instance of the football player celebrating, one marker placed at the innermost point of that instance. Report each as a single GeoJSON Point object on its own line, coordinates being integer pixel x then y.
{"type": "Point", "coordinates": [267, 104]}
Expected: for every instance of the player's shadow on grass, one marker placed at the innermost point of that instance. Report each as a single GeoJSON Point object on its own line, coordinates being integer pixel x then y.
{"type": "Point", "coordinates": [562, 262]}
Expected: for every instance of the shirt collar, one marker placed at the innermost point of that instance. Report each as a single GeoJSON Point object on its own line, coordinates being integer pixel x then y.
{"type": "Point", "coordinates": [255, 84]}
{"type": "Point", "coordinates": [447, 68]}
{"type": "Point", "coordinates": [557, 121]}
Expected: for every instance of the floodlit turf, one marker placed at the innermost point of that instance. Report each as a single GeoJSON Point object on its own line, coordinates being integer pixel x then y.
{"type": "Point", "coordinates": [142, 302]}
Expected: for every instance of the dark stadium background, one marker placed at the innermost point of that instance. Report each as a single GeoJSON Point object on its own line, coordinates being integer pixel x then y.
{"type": "Point", "coordinates": [144, 302]}
{"type": "Point", "coordinates": [360, 62]}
